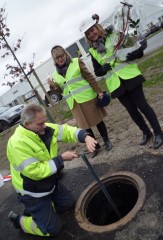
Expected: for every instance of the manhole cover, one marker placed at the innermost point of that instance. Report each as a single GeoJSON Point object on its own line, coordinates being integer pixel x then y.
{"type": "Point", "coordinates": [94, 213]}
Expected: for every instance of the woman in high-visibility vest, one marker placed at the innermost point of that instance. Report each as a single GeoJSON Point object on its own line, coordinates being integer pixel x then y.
{"type": "Point", "coordinates": [80, 90]}
{"type": "Point", "coordinates": [124, 80]}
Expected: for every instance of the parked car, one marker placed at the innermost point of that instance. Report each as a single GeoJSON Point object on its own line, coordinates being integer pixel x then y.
{"type": "Point", "coordinates": [147, 33]}
{"type": "Point", "coordinates": [55, 97]}
{"type": "Point", "coordinates": [54, 92]}
{"type": "Point", "coordinates": [162, 24]}
{"type": "Point", "coordinates": [9, 116]}
{"type": "Point", "coordinates": [154, 28]}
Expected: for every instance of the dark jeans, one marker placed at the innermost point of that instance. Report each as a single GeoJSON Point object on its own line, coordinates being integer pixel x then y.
{"type": "Point", "coordinates": [44, 211]}
{"type": "Point", "coordinates": [134, 101]}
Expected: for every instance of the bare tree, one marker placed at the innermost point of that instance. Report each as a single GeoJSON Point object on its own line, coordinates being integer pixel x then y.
{"type": "Point", "coordinates": [13, 71]}
{"type": "Point", "coordinates": [20, 69]}
{"type": "Point", "coordinates": [24, 69]}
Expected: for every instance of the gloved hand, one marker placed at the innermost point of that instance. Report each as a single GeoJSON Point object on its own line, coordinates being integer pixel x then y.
{"type": "Point", "coordinates": [106, 67]}
{"type": "Point", "coordinates": [109, 29]}
{"type": "Point", "coordinates": [134, 55]}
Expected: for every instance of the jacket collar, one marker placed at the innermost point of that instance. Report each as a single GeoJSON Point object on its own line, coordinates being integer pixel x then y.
{"type": "Point", "coordinates": [21, 129]}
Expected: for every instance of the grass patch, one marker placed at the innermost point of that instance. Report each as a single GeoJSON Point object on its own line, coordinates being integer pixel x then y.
{"type": "Point", "coordinates": [158, 79]}
{"type": "Point", "coordinates": [151, 67]}
{"type": "Point", "coordinates": [66, 115]}
{"type": "Point", "coordinates": [152, 60]}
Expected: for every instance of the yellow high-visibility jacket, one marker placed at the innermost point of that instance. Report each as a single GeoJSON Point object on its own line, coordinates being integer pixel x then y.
{"type": "Point", "coordinates": [33, 166]}
{"type": "Point", "coordinates": [73, 85]}
{"type": "Point", "coordinates": [123, 70]}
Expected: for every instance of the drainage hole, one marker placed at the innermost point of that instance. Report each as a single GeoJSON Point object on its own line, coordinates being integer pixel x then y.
{"type": "Point", "coordinates": [100, 212]}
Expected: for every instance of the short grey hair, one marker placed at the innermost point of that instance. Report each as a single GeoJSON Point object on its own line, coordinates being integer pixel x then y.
{"type": "Point", "coordinates": [29, 112]}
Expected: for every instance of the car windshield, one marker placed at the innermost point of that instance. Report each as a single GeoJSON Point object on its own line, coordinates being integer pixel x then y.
{"type": "Point", "coordinates": [3, 109]}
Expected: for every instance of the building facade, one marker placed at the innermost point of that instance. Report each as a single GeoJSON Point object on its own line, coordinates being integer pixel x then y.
{"type": "Point", "coordinates": [22, 92]}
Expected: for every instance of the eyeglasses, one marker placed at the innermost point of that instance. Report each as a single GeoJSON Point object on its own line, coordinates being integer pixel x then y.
{"type": "Point", "coordinates": [59, 56]}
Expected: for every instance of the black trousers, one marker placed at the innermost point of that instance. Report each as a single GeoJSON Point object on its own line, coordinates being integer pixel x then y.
{"type": "Point", "coordinates": [135, 103]}
{"type": "Point", "coordinates": [102, 130]}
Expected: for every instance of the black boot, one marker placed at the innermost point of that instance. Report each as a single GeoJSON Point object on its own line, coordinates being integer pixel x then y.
{"type": "Point", "coordinates": [94, 154]}
{"type": "Point", "coordinates": [145, 139]}
{"type": "Point", "coordinates": [15, 219]}
{"type": "Point", "coordinates": [158, 141]}
{"type": "Point", "coordinates": [108, 145]}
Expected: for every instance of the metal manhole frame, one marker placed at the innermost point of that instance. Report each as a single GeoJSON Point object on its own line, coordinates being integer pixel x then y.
{"type": "Point", "coordinates": [93, 188]}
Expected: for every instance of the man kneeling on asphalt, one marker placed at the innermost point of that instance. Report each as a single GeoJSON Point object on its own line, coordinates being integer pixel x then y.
{"type": "Point", "coordinates": [34, 161]}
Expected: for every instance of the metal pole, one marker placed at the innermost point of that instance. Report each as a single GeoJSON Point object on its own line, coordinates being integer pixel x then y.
{"type": "Point", "coordinates": [51, 119]}
{"type": "Point", "coordinates": [47, 95]}
{"type": "Point", "coordinates": [102, 187]}
{"type": "Point", "coordinates": [42, 86]}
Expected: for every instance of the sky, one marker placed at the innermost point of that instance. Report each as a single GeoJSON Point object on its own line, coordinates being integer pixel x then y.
{"type": "Point", "coordinates": [44, 23]}
{"type": "Point", "coordinates": [41, 24]}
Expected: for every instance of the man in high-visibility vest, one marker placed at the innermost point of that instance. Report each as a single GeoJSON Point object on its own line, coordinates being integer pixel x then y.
{"type": "Point", "coordinates": [35, 163]}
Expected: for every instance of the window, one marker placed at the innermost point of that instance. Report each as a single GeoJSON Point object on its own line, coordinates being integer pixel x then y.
{"type": "Point", "coordinates": [15, 91]}
{"type": "Point", "coordinates": [16, 102]}
{"type": "Point", "coordinates": [73, 50]}
{"type": "Point", "coordinates": [84, 44]}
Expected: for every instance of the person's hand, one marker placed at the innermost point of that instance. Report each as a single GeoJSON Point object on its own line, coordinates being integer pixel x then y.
{"type": "Point", "coordinates": [134, 55]}
{"type": "Point", "coordinates": [100, 95]}
{"type": "Point", "coordinates": [106, 67]}
{"type": "Point", "coordinates": [50, 81]}
{"type": "Point", "coordinates": [69, 155]}
{"type": "Point", "coordinates": [90, 143]}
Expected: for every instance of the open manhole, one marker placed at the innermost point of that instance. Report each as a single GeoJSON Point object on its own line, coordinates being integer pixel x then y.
{"type": "Point", "coordinates": [93, 211]}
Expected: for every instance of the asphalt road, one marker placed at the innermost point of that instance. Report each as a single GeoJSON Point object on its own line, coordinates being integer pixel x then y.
{"type": "Point", "coordinates": [147, 224]}
{"type": "Point", "coordinates": [154, 42]}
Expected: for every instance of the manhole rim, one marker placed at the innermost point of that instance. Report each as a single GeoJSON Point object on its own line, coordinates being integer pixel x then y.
{"type": "Point", "coordinates": [93, 187]}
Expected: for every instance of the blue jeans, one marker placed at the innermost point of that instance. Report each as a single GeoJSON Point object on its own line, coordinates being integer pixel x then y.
{"type": "Point", "coordinates": [44, 211]}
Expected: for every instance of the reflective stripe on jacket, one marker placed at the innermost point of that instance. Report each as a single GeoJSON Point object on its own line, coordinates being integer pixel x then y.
{"type": "Point", "coordinates": [73, 85]}
{"type": "Point", "coordinates": [123, 70]}
{"type": "Point", "coordinates": [33, 167]}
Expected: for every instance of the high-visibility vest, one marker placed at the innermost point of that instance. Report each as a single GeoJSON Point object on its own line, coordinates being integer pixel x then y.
{"type": "Point", "coordinates": [119, 69]}
{"type": "Point", "coordinates": [73, 85]}
{"type": "Point", "coordinates": [30, 158]}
